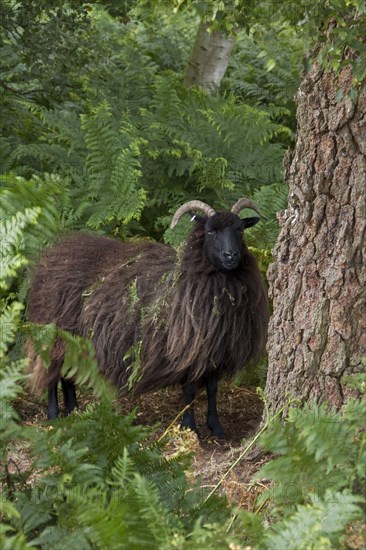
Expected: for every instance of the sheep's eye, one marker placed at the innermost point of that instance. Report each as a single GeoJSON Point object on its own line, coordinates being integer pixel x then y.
{"type": "Point", "coordinates": [211, 233]}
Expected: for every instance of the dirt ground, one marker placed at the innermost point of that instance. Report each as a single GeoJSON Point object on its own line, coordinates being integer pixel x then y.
{"type": "Point", "coordinates": [240, 412]}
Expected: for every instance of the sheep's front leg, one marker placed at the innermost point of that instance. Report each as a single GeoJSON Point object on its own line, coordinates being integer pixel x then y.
{"type": "Point", "coordinates": [212, 418]}
{"type": "Point", "coordinates": [52, 401]}
{"type": "Point", "coordinates": [189, 392]}
{"type": "Point", "coordinates": [68, 390]}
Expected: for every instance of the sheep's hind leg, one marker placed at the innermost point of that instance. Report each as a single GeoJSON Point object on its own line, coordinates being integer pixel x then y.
{"type": "Point", "coordinates": [52, 401]}
{"type": "Point", "coordinates": [189, 392]}
{"type": "Point", "coordinates": [57, 358]}
{"type": "Point", "coordinates": [68, 390]}
{"type": "Point", "coordinates": [212, 418]}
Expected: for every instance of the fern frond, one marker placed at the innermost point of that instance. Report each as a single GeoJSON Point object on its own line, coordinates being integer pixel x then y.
{"type": "Point", "coordinates": [154, 515]}
{"type": "Point", "coordinates": [12, 243]}
{"type": "Point", "coordinates": [316, 525]}
{"type": "Point", "coordinates": [122, 470]}
{"type": "Point", "coordinates": [9, 320]}
{"type": "Point", "coordinates": [272, 199]}
{"type": "Point", "coordinates": [59, 537]}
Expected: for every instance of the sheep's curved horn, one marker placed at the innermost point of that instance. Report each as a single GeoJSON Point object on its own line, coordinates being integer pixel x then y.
{"type": "Point", "coordinates": [192, 205]}
{"type": "Point", "coordinates": [245, 203]}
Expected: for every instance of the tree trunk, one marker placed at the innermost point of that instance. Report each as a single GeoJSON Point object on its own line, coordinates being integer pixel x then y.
{"type": "Point", "coordinates": [317, 281]}
{"type": "Point", "coordinates": [209, 59]}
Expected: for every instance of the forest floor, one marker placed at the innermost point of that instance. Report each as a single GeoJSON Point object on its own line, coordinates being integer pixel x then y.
{"type": "Point", "coordinates": [240, 411]}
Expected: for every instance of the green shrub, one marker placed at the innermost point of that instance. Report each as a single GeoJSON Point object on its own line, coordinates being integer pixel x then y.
{"type": "Point", "coordinates": [318, 476]}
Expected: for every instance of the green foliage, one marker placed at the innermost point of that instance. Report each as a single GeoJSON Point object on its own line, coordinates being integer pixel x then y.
{"type": "Point", "coordinates": [337, 31]}
{"type": "Point", "coordinates": [186, 144]}
{"type": "Point", "coordinates": [272, 199]}
{"type": "Point", "coordinates": [12, 259]}
{"type": "Point", "coordinates": [102, 484]}
{"type": "Point", "coordinates": [318, 477]}
{"type": "Point", "coordinates": [32, 214]}
{"type": "Point", "coordinates": [127, 141]}
{"type": "Point", "coordinates": [331, 29]}
{"type": "Point", "coordinates": [318, 525]}
{"type": "Point", "coordinates": [48, 195]}
{"type": "Point", "coordinates": [11, 236]}
{"type": "Point", "coordinates": [254, 374]}
{"type": "Point", "coordinates": [264, 69]}
{"type": "Point", "coordinates": [8, 324]}
{"type": "Point", "coordinates": [208, 146]}
{"type": "Point", "coordinates": [309, 449]}
{"type": "Point", "coordinates": [110, 166]}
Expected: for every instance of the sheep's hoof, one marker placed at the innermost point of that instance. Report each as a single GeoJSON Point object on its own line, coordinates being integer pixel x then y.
{"type": "Point", "coordinates": [217, 430]}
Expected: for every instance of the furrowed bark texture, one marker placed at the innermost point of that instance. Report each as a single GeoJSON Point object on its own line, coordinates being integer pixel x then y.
{"type": "Point", "coordinates": [317, 282]}
{"type": "Point", "coordinates": [209, 59]}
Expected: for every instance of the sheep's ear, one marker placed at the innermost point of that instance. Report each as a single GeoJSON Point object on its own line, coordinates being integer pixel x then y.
{"type": "Point", "coordinates": [249, 222]}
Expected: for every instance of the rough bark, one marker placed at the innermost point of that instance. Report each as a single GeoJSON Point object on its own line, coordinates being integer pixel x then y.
{"type": "Point", "coordinates": [209, 59]}
{"type": "Point", "coordinates": [317, 282]}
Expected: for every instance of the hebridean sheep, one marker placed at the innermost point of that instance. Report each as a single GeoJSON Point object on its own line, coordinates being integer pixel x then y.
{"type": "Point", "coordinates": [182, 319]}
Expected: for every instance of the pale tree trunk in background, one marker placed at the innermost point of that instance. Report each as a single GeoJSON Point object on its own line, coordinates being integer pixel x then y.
{"type": "Point", "coordinates": [209, 59]}
{"type": "Point", "coordinates": [317, 281]}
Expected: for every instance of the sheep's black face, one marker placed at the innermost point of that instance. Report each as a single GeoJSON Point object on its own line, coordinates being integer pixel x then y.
{"type": "Point", "coordinates": [224, 239]}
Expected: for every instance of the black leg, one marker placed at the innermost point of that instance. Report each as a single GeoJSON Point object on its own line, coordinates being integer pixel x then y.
{"type": "Point", "coordinates": [212, 418]}
{"type": "Point", "coordinates": [57, 359]}
{"type": "Point", "coordinates": [68, 390]}
{"type": "Point", "coordinates": [52, 401]}
{"type": "Point", "coordinates": [189, 392]}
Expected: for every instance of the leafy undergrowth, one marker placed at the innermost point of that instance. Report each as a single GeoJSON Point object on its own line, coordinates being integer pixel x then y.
{"type": "Point", "coordinates": [240, 412]}
{"type": "Point", "coordinates": [103, 479]}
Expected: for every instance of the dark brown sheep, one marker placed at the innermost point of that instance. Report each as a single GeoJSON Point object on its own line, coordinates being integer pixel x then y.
{"type": "Point", "coordinates": [156, 318]}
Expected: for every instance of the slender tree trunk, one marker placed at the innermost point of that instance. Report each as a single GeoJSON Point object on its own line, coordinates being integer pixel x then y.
{"type": "Point", "coordinates": [209, 59]}
{"type": "Point", "coordinates": [317, 281]}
